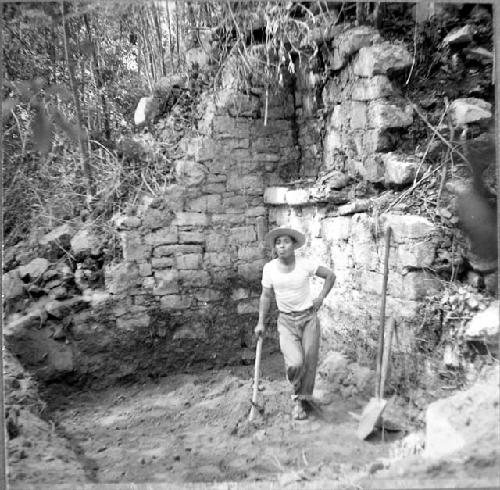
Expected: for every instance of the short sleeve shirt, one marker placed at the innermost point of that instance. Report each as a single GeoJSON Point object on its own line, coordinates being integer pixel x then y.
{"type": "Point", "coordinates": [292, 289]}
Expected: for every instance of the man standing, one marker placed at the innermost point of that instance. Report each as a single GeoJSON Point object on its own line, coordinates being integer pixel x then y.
{"type": "Point", "coordinates": [288, 277]}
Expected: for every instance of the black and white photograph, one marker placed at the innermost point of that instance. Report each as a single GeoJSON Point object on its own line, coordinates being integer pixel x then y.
{"type": "Point", "coordinates": [249, 245]}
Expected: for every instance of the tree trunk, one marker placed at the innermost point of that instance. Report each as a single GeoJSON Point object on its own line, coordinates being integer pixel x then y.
{"type": "Point", "coordinates": [170, 40]}
{"type": "Point", "coordinates": [159, 38]}
{"type": "Point", "coordinates": [177, 24]}
{"type": "Point", "coordinates": [74, 90]}
{"type": "Point", "coordinates": [98, 78]}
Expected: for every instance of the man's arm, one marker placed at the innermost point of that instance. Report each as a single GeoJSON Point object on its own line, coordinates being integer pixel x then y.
{"type": "Point", "coordinates": [329, 277]}
{"type": "Point", "coordinates": [264, 305]}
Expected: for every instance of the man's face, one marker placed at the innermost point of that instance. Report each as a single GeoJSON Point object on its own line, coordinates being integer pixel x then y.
{"type": "Point", "coordinates": [285, 246]}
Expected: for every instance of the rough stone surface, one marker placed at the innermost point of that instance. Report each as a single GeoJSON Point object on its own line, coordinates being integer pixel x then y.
{"type": "Point", "coordinates": [121, 277]}
{"type": "Point", "coordinates": [460, 35]}
{"type": "Point", "coordinates": [381, 59]}
{"type": "Point", "coordinates": [34, 269]}
{"type": "Point", "coordinates": [12, 286]}
{"type": "Point", "coordinates": [469, 110]}
{"type": "Point", "coordinates": [334, 367]}
{"type": "Point", "coordinates": [399, 169]}
{"type": "Point", "coordinates": [467, 419]}
{"type": "Point", "coordinates": [190, 173]}
{"type": "Point", "coordinates": [62, 234]}
{"type": "Point", "coordinates": [85, 241]}
{"type": "Point", "coordinates": [349, 42]}
{"type": "Point", "coordinates": [409, 226]}
{"type": "Point", "coordinates": [383, 115]}
{"type": "Point", "coordinates": [376, 87]}
{"type": "Point", "coordinates": [485, 326]}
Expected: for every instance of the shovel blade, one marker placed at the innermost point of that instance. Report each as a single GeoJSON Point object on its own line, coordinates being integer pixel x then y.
{"type": "Point", "coordinates": [370, 416]}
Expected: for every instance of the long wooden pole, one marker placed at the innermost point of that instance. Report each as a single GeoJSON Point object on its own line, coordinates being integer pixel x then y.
{"type": "Point", "coordinates": [380, 349]}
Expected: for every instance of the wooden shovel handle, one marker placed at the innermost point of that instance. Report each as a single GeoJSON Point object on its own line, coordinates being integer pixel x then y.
{"type": "Point", "coordinates": [258, 354]}
{"type": "Point", "coordinates": [380, 349]}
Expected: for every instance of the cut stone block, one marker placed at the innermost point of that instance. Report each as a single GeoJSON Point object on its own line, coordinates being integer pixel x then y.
{"type": "Point", "coordinates": [156, 218]}
{"type": "Point", "coordinates": [133, 246]}
{"type": "Point", "coordinates": [120, 277]}
{"type": "Point", "coordinates": [407, 226]}
{"type": "Point", "coordinates": [350, 42]}
{"type": "Point", "coordinates": [275, 195]}
{"type": "Point", "coordinates": [190, 219]}
{"type": "Point", "coordinates": [162, 237]}
{"type": "Point", "coordinates": [377, 87]}
{"type": "Point", "coordinates": [188, 261]}
{"type": "Point", "coordinates": [175, 302]}
{"type": "Point", "coordinates": [297, 197]}
{"type": "Point", "coordinates": [399, 169]}
{"type": "Point", "coordinates": [217, 259]}
{"type": "Point", "coordinates": [243, 234]}
{"type": "Point", "coordinates": [383, 115]}
{"type": "Point", "coordinates": [381, 59]}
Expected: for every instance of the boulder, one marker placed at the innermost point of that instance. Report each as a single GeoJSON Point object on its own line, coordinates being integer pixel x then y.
{"type": "Point", "coordinates": [466, 420]}
{"type": "Point", "coordinates": [85, 242]}
{"type": "Point", "coordinates": [60, 309]}
{"type": "Point", "coordinates": [334, 368]}
{"type": "Point", "coordinates": [56, 242]}
{"type": "Point", "coordinates": [384, 115]}
{"type": "Point", "coordinates": [361, 377]}
{"type": "Point", "coordinates": [350, 42]}
{"type": "Point", "coordinates": [147, 109]}
{"type": "Point", "coordinates": [491, 282]}
{"type": "Point", "coordinates": [34, 269]}
{"type": "Point", "coordinates": [12, 286]}
{"type": "Point", "coordinates": [469, 110]}
{"type": "Point", "coordinates": [485, 326]}
{"type": "Point", "coordinates": [399, 169]}
{"type": "Point", "coordinates": [461, 35]}
{"type": "Point", "coordinates": [381, 59]}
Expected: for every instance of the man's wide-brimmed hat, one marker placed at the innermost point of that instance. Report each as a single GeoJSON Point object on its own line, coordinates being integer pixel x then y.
{"type": "Point", "coordinates": [299, 237]}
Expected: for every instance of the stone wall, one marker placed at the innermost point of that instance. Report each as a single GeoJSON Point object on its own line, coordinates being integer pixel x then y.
{"type": "Point", "coordinates": [352, 122]}
{"type": "Point", "coordinates": [197, 251]}
{"type": "Point", "coordinates": [352, 245]}
{"type": "Point", "coordinates": [192, 257]}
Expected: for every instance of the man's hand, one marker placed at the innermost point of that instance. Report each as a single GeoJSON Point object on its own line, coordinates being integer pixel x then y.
{"type": "Point", "coordinates": [317, 302]}
{"type": "Point", "coordinates": [259, 330]}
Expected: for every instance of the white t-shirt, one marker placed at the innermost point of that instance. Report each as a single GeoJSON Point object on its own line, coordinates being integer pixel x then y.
{"type": "Point", "coordinates": [292, 289]}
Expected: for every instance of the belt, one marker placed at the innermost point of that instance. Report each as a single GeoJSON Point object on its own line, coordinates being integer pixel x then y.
{"type": "Point", "coordinates": [298, 313]}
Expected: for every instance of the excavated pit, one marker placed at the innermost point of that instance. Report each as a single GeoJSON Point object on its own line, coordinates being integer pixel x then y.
{"type": "Point", "coordinates": [193, 427]}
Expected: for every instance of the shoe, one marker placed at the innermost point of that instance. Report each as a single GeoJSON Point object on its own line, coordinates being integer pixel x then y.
{"type": "Point", "coordinates": [298, 411]}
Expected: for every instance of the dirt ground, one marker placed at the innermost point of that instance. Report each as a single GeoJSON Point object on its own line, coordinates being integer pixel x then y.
{"type": "Point", "coordinates": [193, 428]}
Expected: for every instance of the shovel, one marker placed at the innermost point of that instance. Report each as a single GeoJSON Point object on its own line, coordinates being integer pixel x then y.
{"type": "Point", "coordinates": [376, 405]}
{"type": "Point", "coordinates": [258, 353]}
